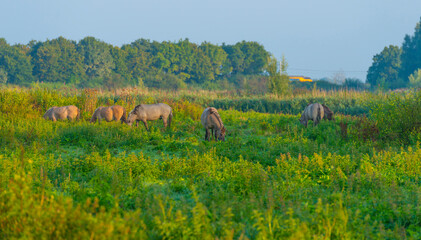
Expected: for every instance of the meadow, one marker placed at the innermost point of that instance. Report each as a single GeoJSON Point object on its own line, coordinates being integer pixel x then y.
{"type": "Point", "coordinates": [358, 177]}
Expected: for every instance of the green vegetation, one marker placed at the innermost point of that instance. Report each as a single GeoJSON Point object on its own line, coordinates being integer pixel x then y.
{"type": "Point", "coordinates": [94, 63]}
{"type": "Point", "coordinates": [415, 79]}
{"type": "Point", "coordinates": [392, 68]}
{"type": "Point", "coordinates": [384, 73]}
{"type": "Point", "coordinates": [357, 177]}
{"type": "Point", "coordinates": [278, 78]}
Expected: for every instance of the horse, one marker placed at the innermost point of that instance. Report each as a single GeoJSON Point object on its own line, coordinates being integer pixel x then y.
{"type": "Point", "coordinates": [150, 112]}
{"type": "Point", "coordinates": [212, 121]}
{"type": "Point", "coordinates": [313, 112]}
{"type": "Point", "coordinates": [328, 114]}
{"type": "Point", "coordinates": [62, 113]}
{"type": "Point", "coordinates": [112, 113]}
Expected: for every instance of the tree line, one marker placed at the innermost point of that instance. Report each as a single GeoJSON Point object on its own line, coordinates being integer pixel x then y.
{"type": "Point", "coordinates": [398, 66]}
{"type": "Point", "coordinates": [94, 63]}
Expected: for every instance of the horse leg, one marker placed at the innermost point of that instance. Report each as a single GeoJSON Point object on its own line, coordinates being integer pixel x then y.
{"type": "Point", "coordinates": [213, 134]}
{"type": "Point", "coordinates": [165, 122]}
{"type": "Point", "coordinates": [146, 124]}
{"type": "Point", "coordinates": [208, 135]}
{"type": "Point", "coordinates": [137, 123]}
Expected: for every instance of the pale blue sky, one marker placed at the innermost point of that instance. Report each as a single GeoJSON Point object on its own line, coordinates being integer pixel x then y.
{"type": "Point", "coordinates": [318, 38]}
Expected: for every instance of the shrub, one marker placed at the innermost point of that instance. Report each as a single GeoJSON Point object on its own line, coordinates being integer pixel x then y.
{"type": "Point", "coordinates": [399, 116]}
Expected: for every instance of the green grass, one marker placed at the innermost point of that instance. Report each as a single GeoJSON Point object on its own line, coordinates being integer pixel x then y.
{"type": "Point", "coordinates": [272, 178]}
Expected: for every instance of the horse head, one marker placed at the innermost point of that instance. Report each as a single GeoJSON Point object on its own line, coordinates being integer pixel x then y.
{"type": "Point", "coordinates": [131, 118]}
{"type": "Point", "coordinates": [221, 136]}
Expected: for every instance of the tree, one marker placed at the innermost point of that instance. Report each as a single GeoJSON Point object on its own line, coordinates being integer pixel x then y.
{"type": "Point", "coordinates": [138, 55]}
{"type": "Point", "coordinates": [202, 68]}
{"type": "Point", "coordinates": [97, 59]}
{"type": "Point", "coordinates": [384, 71]}
{"type": "Point", "coordinates": [217, 57]}
{"type": "Point", "coordinates": [15, 63]}
{"type": "Point", "coordinates": [415, 79]}
{"type": "Point", "coordinates": [255, 57]}
{"type": "Point", "coordinates": [120, 66]}
{"type": "Point", "coordinates": [3, 76]}
{"type": "Point", "coordinates": [235, 58]}
{"type": "Point", "coordinates": [278, 82]}
{"type": "Point", "coordinates": [411, 53]}
{"type": "Point", "coordinates": [339, 77]}
{"type": "Point", "coordinates": [186, 51]}
{"type": "Point", "coordinates": [57, 61]}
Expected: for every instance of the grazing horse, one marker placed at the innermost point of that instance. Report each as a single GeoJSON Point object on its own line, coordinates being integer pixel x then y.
{"type": "Point", "coordinates": [212, 121]}
{"type": "Point", "coordinates": [150, 112]}
{"type": "Point", "coordinates": [113, 113]}
{"type": "Point", "coordinates": [313, 112]}
{"type": "Point", "coordinates": [328, 114]}
{"type": "Point", "coordinates": [62, 113]}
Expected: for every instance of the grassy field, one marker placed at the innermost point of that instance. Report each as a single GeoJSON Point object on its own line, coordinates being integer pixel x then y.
{"type": "Point", "coordinates": [358, 177]}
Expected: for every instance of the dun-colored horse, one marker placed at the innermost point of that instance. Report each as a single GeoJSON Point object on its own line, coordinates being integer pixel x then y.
{"type": "Point", "coordinates": [150, 112]}
{"type": "Point", "coordinates": [112, 113]}
{"type": "Point", "coordinates": [62, 113]}
{"type": "Point", "coordinates": [212, 122]}
{"type": "Point", "coordinates": [313, 112]}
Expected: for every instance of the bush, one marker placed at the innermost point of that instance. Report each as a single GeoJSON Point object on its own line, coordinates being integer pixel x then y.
{"type": "Point", "coordinates": [399, 116]}
{"type": "Point", "coordinates": [165, 81]}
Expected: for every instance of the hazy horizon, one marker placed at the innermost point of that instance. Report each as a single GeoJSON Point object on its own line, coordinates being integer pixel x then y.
{"type": "Point", "coordinates": [318, 39]}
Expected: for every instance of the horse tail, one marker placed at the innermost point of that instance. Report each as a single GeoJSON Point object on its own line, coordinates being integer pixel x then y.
{"type": "Point", "coordinates": [319, 113]}
{"type": "Point", "coordinates": [170, 118]}
{"type": "Point", "coordinates": [124, 118]}
{"type": "Point", "coordinates": [78, 114]}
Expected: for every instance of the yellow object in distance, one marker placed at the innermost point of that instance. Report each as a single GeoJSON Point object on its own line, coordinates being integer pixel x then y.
{"type": "Point", "coordinates": [300, 78]}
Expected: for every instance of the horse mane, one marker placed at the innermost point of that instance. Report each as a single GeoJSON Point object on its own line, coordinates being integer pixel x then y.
{"type": "Point", "coordinates": [137, 108]}
{"type": "Point", "coordinates": [212, 110]}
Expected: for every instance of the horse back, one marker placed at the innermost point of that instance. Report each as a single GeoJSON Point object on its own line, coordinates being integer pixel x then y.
{"type": "Point", "coordinates": [210, 118]}
{"type": "Point", "coordinates": [71, 112]}
{"type": "Point", "coordinates": [313, 112]}
{"type": "Point", "coordinates": [117, 112]}
{"type": "Point", "coordinates": [317, 111]}
{"type": "Point", "coordinates": [155, 111]}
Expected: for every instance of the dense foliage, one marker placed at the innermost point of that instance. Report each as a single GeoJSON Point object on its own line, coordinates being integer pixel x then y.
{"type": "Point", "coordinates": [93, 63]}
{"type": "Point", "coordinates": [15, 64]}
{"type": "Point", "coordinates": [392, 67]}
{"type": "Point", "coordinates": [278, 79]}
{"type": "Point", "coordinates": [384, 72]}
{"type": "Point", "coordinates": [354, 178]}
